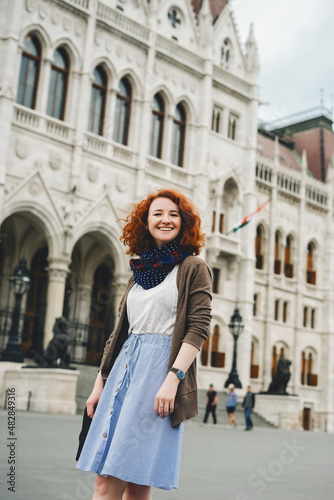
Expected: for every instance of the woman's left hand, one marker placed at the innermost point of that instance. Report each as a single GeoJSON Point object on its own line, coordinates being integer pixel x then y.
{"type": "Point", "coordinates": [164, 400]}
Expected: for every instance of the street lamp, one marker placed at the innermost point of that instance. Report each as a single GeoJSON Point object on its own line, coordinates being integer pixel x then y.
{"type": "Point", "coordinates": [20, 283]}
{"type": "Point", "coordinates": [236, 328]}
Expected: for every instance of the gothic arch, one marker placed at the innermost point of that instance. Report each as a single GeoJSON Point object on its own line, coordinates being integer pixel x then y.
{"type": "Point", "coordinates": [43, 219]}
{"type": "Point", "coordinates": [72, 51]}
{"type": "Point", "coordinates": [41, 34]}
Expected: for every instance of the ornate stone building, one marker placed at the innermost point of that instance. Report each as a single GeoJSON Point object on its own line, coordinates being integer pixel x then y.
{"type": "Point", "coordinates": [104, 101]}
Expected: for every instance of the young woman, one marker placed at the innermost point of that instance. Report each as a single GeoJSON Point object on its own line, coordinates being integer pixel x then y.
{"type": "Point", "coordinates": [135, 438]}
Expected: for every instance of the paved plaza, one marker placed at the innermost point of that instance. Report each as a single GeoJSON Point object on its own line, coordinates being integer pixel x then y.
{"type": "Point", "coordinates": [218, 463]}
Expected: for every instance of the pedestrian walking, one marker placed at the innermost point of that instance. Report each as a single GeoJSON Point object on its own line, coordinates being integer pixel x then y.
{"type": "Point", "coordinates": [248, 406]}
{"type": "Point", "coordinates": [211, 404]}
{"type": "Point", "coordinates": [231, 404]}
{"type": "Point", "coordinates": [146, 386]}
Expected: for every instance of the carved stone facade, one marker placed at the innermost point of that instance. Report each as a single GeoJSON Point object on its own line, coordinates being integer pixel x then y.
{"type": "Point", "coordinates": [63, 187]}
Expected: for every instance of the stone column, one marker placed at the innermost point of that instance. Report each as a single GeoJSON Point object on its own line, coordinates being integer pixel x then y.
{"type": "Point", "coordinates": [9, 60]}
{"type": "Point", "coordinates": [269, 299]}
{"type": "Point", "coordinates": [144, 119]}
{"type": "Point", "coordinates": [58, 271]}
{"type": "Point", "coordinates": [300, 273]}
{"type": "Point", "coordinates": [44, 84]}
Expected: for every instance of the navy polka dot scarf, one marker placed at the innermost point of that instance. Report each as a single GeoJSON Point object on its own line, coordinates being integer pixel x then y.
{"type": "Point", "coordinates": [154, 265]}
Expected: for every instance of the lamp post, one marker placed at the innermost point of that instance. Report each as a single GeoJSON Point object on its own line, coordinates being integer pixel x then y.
{"type": "Point", "coordinates": [235, 327]}
{"type": "Point", "coordinates": [20, 283]}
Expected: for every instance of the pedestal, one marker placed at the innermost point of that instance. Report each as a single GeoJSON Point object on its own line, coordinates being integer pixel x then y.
{"type": "Point", "coordinates": [282, 411]}
{"type": "Point", "coordinates": [47, 390]}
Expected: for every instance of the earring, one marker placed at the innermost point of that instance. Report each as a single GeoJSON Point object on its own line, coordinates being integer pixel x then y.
{"type": "Point", "coordinates": [146, 228]}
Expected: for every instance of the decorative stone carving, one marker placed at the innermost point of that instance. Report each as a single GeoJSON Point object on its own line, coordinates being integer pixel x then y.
{"type": "Point", "coordinates": [21, 148]}
{"type": "Point", "coordinates": [54, 160]}
{"type": "Point", "coordinates": [119, 50]}
{"type": "Point", "coordinates": [55, 16]}
{"type": "Point", "coordinates": [34, 187]}
{"type": "Point", "coordinates": [121, 183]}
{"type": "Point", "coordinates": [92, 172]}
{"type": "Point", "coordinates": [41, 12]}
{"type": "Point", "coordinates": [104, 210]}
{"type": "Point", "coordinates": [66, 24]}
{"type": "Point", "coordinates": [30, 5]}
{"type": "Point", "coordinates": [109, 45]}
{"type": "Point", "coordinates": [78, 30]}
{"type": "Point", "coordinates": [97, 39]}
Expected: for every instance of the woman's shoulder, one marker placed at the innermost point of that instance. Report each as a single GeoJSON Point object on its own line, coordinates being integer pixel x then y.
{"type": "Point", "coordinates": [193, 263]}
{"type": "Point", "coordinates": [195, 266]}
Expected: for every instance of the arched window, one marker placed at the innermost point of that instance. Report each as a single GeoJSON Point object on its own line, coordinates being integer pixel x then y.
{"type": "Point", "coordinates": [29, 71]}
{"type": "Point", "coordinates": [101, 314]}
{"type": "Point", "coordinates": [258, 247]}
{"type": "Point", "coordinates": [225, 54]}
{"type": "Point", "coordinates": [310, 271]}
{"type": "Point", "coordinates": [254, 365]}
{"type": "Point", "coordinates": [158, 116]}
{"type": "Point", "coordinates": [308, 377]}
{"type": "Point", "coordinates": [232, 127]}
{"type": "Point", "coordinates": [178, 139]}
{"type": "Point", "coordinates": [98, 101]}
{"type": "Point", "coordinates": [34, 317]}
{"type": "Point", "coordinates": [273, 361]}
{"type": "Point", "coordinates": [217, 357]}
{"type": "Point", "coordinates": [58, 84]}
{"type": "Point", "coordinates": [277, 263]}
{"type": "Point", "coordinates": [288, 266]}
{"type": "Point", "coordinates": [123, 110]}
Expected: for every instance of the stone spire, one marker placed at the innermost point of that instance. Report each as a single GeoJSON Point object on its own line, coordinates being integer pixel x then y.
{"type": "Point", "coordinates": [205, 23]}
{"type": "Point", "coordinates": [251, 55]}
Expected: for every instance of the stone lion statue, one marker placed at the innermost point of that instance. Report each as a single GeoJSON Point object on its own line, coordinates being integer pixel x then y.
{"type": "Point", "coordinates": [281, 378]}
{"type": "Point", "coordinates": [55, 354]}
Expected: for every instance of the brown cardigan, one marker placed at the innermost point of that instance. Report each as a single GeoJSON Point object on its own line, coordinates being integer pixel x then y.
{"type": "Point", "coordinates": [192, 325]}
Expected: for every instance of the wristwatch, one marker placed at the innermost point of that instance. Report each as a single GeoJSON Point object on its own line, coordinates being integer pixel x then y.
{"type": "Point", "coordinates": [180, 374]}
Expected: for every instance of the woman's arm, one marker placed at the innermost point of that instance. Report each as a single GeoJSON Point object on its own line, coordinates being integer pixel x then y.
{"type": "Point", "coordinates": [95, 395]}
{"type": "Point", "coordinates": [164, 400]}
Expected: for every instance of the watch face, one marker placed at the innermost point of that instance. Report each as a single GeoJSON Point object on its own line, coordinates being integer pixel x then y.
{"type": "Point", "coordinates": [181, 374]}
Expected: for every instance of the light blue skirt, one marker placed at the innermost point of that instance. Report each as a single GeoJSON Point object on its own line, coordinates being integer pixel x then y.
{"type": "Point", "coordinates": [127, 439]}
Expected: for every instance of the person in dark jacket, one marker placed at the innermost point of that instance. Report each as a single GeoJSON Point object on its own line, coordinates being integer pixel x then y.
{"type": "Point", "coordinates": [211, 404]}
{"type": "Point", "coordinates": [248, 406]}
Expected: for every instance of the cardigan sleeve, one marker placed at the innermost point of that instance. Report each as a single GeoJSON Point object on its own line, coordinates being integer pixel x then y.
{"type": "Point", "coordinates": [198, 315]}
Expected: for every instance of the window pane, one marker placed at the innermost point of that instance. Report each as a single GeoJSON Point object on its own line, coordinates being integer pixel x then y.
{"type": "Point", "coordinates": [29, 71]}
{"type": "Point", "coordinates": [100, 77]}
{"type": "Point", "coordinates": [32, 46]}
{"type": "Point", "coordinates": [60, 59]}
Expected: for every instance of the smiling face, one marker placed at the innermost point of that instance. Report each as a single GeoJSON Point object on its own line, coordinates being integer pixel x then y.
{"type": "Point", "coordinates": [163, 221]}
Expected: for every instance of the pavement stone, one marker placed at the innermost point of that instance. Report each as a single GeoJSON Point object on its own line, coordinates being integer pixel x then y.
{"type": "Point", "coordinates": [218, 463]}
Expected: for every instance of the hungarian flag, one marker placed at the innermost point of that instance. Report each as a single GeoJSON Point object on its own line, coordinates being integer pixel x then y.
{"type": "Point", "coordinates": [248, 218]}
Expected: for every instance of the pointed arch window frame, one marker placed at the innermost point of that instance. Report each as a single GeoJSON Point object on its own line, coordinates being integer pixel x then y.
{"type": "Point", "coordinates": [157, 126]}
{"type": "Point", "coordinates": [123, 110]}
{"type": "Point", "coordinates": [99, 114]}
{"type": "Point", "coordinates": [59, 76]}
{"type": "Point", "coordinates": [28, 59]}
{"type": "Point", "coordinates": [179, 136]}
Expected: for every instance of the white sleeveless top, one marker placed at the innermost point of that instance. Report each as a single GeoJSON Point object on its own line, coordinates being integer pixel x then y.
{"type": "Point", "coordinates": [153, 310]}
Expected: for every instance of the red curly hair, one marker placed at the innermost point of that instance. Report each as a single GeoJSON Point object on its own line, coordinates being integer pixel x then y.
{"type": "Point", "coordinates": [138, 239]}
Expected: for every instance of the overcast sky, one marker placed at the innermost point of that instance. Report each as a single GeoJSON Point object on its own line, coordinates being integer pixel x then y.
{"type": "Point", "coordinates": [295, 41]}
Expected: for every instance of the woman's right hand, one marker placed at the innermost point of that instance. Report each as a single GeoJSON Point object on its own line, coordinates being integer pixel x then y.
{"type": "Point", "coordinates": [95, 395]}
